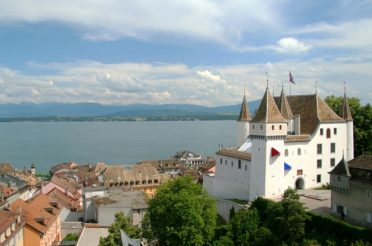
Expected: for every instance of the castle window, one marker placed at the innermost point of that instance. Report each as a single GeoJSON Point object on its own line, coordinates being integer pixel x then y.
{"type": "Point", "coordinates": [272, 127]}
{"type": "Point", "coordinates": [221, 161]}
{"type": "Point", "coordinates": [335, 131]}
{"type": "Point", "coordinates": [328, 133]}
{"type": "Point", "coordinates": [321, 131]}
{"type": "Point", "coordinates": [239, 164]}
{"type": "Point", "coordinates": [280, 127]}
{"type": "Point", "coordinates": [286, 152]}
{"type": "Point", "coordinates": [333, 162]}
{"type": "Point", "coordinates": [232, 163]}
{"type": "Point", "coordinates": [261, 127]}
{"type": "Point", "coordinates": [298, 151]}
{"type": "Point", "coordinates": [319, 149]}
{"type": "Point", "coordinates": [319, 163]}
{"type": "Point", "coordinates": [299, 172]}
{"type": "Point", "coordinates": [333, 147]}
{"type": "Point", "coordinates": [252, 126]}
{"type": "Point", "coordinates": [318, 178]}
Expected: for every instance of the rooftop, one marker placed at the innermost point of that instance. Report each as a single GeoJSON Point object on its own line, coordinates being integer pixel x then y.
{"type": "Point", "coordinates": [125, 199]}
{"type": "Point", "coordinates": [91, 236]}
{"type": "Point", "coordinates": [235, 153]}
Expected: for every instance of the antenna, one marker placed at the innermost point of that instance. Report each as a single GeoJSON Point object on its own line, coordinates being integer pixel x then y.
{"type": "Point", "coordinates": [316, 87]}
{"type": "Point", "coordinates": [267, 81]}
{"type": "Point", "coordinates": [344, 87]}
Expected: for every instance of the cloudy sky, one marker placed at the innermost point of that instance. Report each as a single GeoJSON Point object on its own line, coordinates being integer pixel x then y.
{"type": "Point", "coordinates": [182, 51]}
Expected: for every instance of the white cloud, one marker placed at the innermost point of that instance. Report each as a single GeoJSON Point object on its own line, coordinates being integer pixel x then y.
{"type": "Point", "coordinates": [208, 75]}
{"type": "Point", "coordinates": [291, 45]}
{"type": "Point", "coordinates": [220, 21]}
{"type": "Point", "coordinates": [86, 81]}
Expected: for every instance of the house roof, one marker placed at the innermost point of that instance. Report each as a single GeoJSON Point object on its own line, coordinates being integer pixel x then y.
{"type": "Point", "coordinates": [63, 199]}
{"type": "Point", "coordinates": [91, 236]}
{"type": "Point", "coordinates": [362, 162]}
{"type": "Point", "coordinates": [268, 111]}
{"type": "Point", "coordinates": [244, 114]}
{"type": "Point", "coordinates": [66, 165]}
{"type": "Point", "coordinates": [7, 218]}
{"type": "Point", "coordinates": [65, 183]}
{"type": "Point", "coordinates": [123, 199]}
{"type": "Point", "coordinates": [235, 153]}
{"type": "Point", "coordinates": [342, 168]}
{"type": "Point", "coordinates": [6, 168]}
{"type": "Point", "coordinates": [312, 110]}
{"type": "Point", "coordinates": [284, 107]}
{"type": "Point", "coordinates": [296, 138]}
{"type": "Point", "coordinates": [35, 209]}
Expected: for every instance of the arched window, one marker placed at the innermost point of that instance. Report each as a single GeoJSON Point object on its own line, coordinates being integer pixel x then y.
{"type": "Point", "coordinates": [298, 151]}
{"type": "Point", "coordinates": [328, 133]}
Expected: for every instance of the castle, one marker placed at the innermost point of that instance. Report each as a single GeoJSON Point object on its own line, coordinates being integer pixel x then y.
{"type": "Point", "coordinates": [292, 141]}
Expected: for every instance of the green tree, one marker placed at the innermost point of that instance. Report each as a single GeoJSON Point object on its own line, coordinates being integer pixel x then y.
{"type": "Point", "coordinates": [182, 213]}
{"type": "Point", "coordinates": [71, 237]}
{"type": "Point", "coordinates": [288, 218]}
{"type": "Point", "coordinates": [243, 226]}
{"type": "Point", "coordinates": [121, 223]}
{"type": "Point", "coordinates": [362, 116]}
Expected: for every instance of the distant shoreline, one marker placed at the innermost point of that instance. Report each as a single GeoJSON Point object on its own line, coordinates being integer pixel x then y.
{"type": "Point", "coordinates": [121, 118]}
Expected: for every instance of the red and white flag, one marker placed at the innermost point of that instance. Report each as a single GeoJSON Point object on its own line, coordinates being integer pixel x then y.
{"type": "Point", "coordinates": [291, 78]}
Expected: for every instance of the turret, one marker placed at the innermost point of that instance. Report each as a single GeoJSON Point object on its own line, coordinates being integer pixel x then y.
{"type": "Point", "coordinates": [33, 169]}
{"type": "Point", "coordinates": [286, 112]}
{"type": "Point", "coordinates": [267, 132]}
{"type": "Point", "coordinates": [346, 115]}
{"type": "Point", "coordinates": [243, 122]}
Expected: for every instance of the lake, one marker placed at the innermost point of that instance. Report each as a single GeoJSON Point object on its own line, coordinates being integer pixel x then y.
{"type": "Point", "coordinates": [50, 143]}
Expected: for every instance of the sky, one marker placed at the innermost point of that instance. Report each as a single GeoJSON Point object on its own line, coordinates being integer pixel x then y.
{"type": "Point", "coordinates": [201, 52]}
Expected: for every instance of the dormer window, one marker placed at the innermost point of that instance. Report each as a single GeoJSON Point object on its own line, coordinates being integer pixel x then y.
{"type": "Point", "coordinates": [41, 221]}
{"type": "Point", "coordinates": [54, 204]}
{"type": "Point", "coordinates": [49, 210]}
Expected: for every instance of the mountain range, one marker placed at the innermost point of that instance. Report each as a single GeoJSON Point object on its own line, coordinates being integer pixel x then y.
{"type": "Point", "coordinates": [48, 110]}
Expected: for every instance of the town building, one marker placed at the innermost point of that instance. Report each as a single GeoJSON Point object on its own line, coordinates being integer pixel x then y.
{"type": "Point", "coordinates": [292, 141]}
{"type": "Point", "coordinates": [42, 223]}
{"type": "Point", "coordinates": [69, 187]}
{"type": "Point", "coordinates": [351, 190]}
{"type": "Point", "coordinates": [141, 177]}
{"type": "Point", "coordinates": [13, 188]}
{"type": "Point", "coordinates": [11, 228]}
{"type": "Point", "coordinates": [132, 203]}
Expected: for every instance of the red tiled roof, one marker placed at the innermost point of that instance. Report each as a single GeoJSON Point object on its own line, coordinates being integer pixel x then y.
{"type": "Point", "coordinates": [35, 209]}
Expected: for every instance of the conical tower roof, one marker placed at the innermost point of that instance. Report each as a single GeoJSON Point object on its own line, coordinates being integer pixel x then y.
{"type": "Point", "coordinates": [244, 111]}
{"type": "Point", "coordinates": [268, 111]}
{"type": "Point", "coordinates": [342, 168]}
{"type": "Point", "coordinates": [284, 107]}
{"type": "Point", "coordinates": [346, 113]}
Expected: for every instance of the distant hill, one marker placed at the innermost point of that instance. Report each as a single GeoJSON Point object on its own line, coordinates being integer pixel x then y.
{"type": "Point", "coordinates": [63, 110]}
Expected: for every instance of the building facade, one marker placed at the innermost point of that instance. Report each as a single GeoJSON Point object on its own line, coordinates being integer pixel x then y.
{"type": "Point", "coordinates": [351, 187]}
{"type": "Point", "coordinates": [11, 229]}
{"type": "Point", "coordinates": [292, 141]}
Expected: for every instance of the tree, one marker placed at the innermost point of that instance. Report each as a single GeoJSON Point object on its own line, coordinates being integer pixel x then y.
{"type": "Point", "coordinates": [243, 226]}
{"type": "Point", "coordinates": [288, 218]}
{"type": "Point", "coordinates": [121, 223]}
{"type": "Point", "coordinates": [362, 116]}
{"type": "Point", "coordinates": [182, 213]}
{"type": "Point", "coordinates": [71, 237]}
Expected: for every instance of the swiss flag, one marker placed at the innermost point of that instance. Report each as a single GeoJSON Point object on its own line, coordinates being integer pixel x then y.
{"type": "Point", "coordinates": [274, 152]}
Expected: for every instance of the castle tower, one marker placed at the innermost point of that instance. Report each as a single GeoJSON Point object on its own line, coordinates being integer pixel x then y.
{"type": "Point", "coordinates": [346, 115]}
{"type": "Point", "coordinates": [243, 123]}
{"type": "Point", "coordinates": [286, 111]}
{"type": "Point", "coordinates": [267, 132]}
